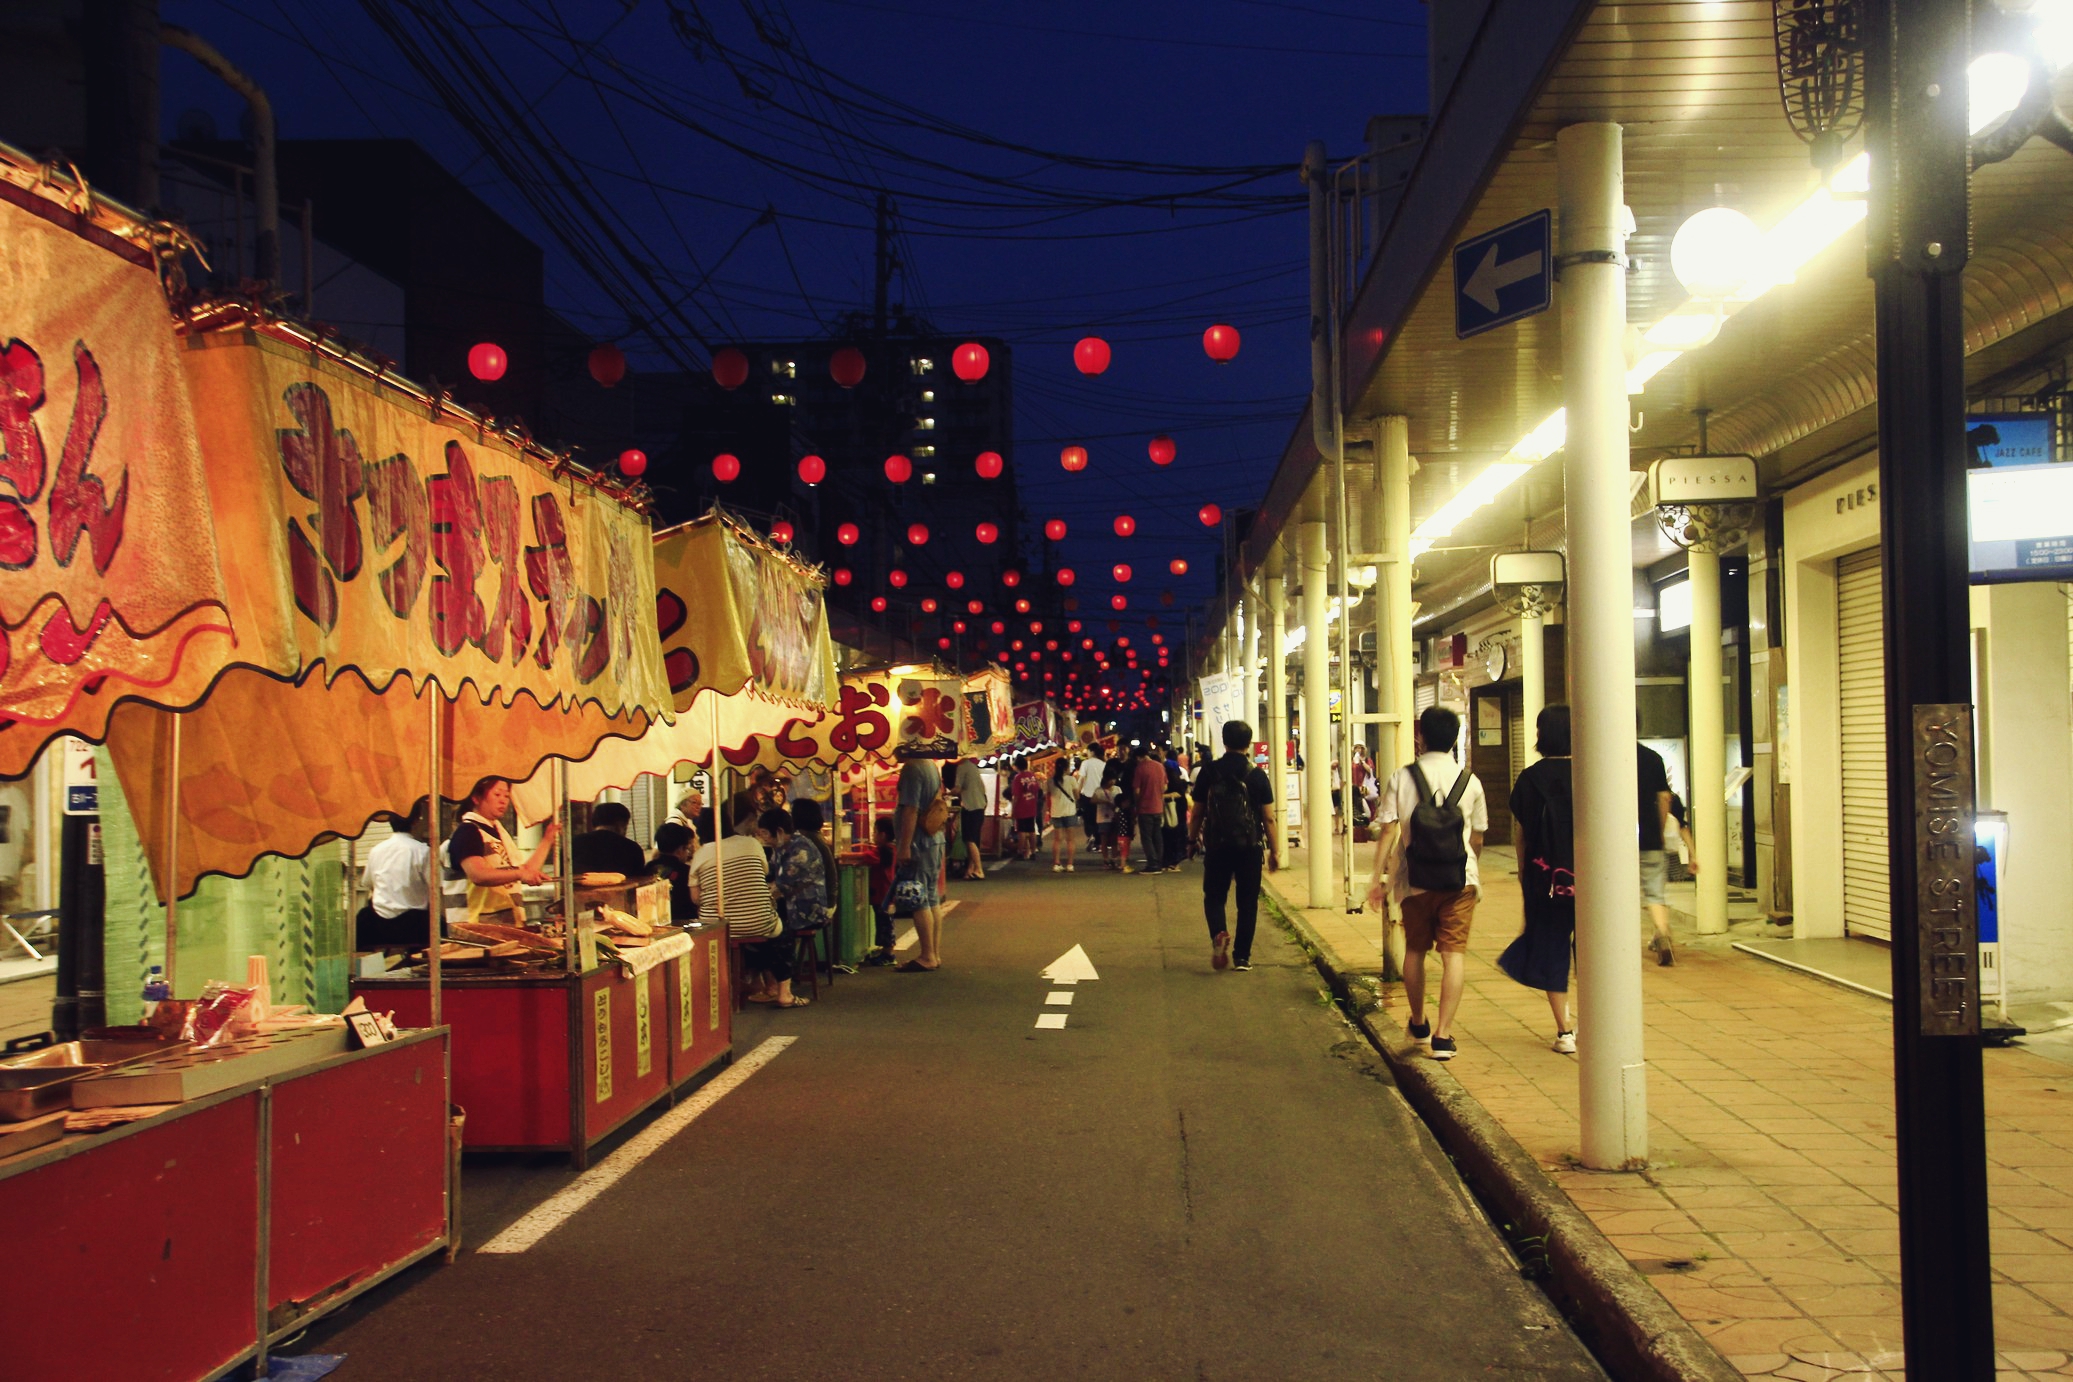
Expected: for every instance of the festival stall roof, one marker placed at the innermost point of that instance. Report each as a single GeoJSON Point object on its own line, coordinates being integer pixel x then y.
{"type": "Point", "coordinates": [392, 552]}
{"type": "Point", "coordinates": [111, 587]}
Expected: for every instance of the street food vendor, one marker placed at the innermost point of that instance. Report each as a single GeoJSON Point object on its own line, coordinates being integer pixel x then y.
{"type": "Point", "coordinates": [480, 851]}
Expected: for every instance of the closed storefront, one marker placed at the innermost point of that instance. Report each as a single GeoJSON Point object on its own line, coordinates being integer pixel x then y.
{"type": "Point", "coordinates": [1860, 673]}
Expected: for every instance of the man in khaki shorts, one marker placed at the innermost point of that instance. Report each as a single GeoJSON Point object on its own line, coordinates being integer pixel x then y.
{"type": "Point", "coordinates": [1433, 818]}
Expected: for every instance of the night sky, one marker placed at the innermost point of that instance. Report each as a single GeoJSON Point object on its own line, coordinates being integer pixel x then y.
{"type": "Point", "coordinates": [1175, 204]}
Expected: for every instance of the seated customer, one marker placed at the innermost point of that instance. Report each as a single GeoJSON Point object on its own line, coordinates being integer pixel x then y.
{"type": "Point", "coordinates": [798, 882]}
{"type": "Point", "coordinates": [730, 879]}
{"type": "Point", "coordinates": [806, 819]}
{"type": "Point", "coordinates": [673, 861]}
{"type": "Point", "coordinates": [604, 848]}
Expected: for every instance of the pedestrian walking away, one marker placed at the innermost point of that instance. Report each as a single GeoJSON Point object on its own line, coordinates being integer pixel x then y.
{"type": "Point", "coordinates": [1543, 841]}
{"type": "Point", "coordinates": [1433, 817]}
{"type": "Point", "coordinates": [1654, 807]}
{"type": "Point", "coordinates": [1064, 804]}
{"type": "Point", "coordinates": [1089, 777]}
{"type": "Point", "coordinates": [970, 788]}
{"type": "Point", "coordinates": [1148, 793]}
{"type": "Point", "coordinates": [1232, 821]}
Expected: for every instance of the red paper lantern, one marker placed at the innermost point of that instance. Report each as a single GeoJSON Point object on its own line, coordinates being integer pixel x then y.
{"type": "Point", "coordinates": [1125, 525]}
{"type": "Point", "coordinates": [849, 534]}
{"type": "Point", "coordinates": [957, 626]}
{"type": "Point", "coordinates": [1002, 656]}
{"type": "Point", "coordinates": [780, 531]}
{"type": "Point", "coordinates": [1121, 572]}
{"type": "Point", "coordinates": [928, 604]}
{"type": "Point", "coordinates": [1165, 597]}
{"type": "Point", "coordinates": [987, 534]}
{"type": "Point", "coordinates": [487, 361]}
{"type": "Point", "coordinates": [726, 468]}
{"type": "Point", "coordinates": [843, 575]}
{"type": "Point", "coordinates": [988, 464]}
{"type": "Point", "coordinates": [1022, 607]}
{"type": "Point", "coordinates": [1090, 355]}
{"type": "Point", "coordinates": [943, 642]}
{"type": "Point", "coordinates": [846, 367]}
{"type": "Point", "coordinates": [1011, 578]}
{"type": "Point", "coordinates": [1054, 529]}
{"type": "Point", "coordinates": [1118, 602]}
{"type": "Point", "coordinates": [917, 534]}
{"type": "Point", "coordinates": [1051, 645]}
{"type": "Point", "coordinates": [1220, 343]}
{"type": "Point", "coordinates": [1162, 450]}
{"type": "Point", "coordinates": [632, 462]}
{"type": "Point", "coordinates": [1065, 575]}
{"type": "Point", "coordinates": [999, 627]}
{"type": "Point", "coordinates": [898, 469]}
{"type": "Point", "coordinates": [1073, 458]}
{"type": "Point", "coordinates": [878, 603]}
{"type": "Point", "coordinates": [1017, 646]}
{"type": "Point", "coordinates": [1123, 642]}
{"type": "Point", "coordinates": [1036, 626]}
{"type": "Point", "coordinates": [975, 606]}
{"type": "Point", "coordinates": [812, 469]}
{"type": "Point", "coordinates": [730, 368]}
{"type": "Point", "coordinates": [1210, 515]}
{"type": "Point", "coordinates": [607, 363]}
{"type": "Point", "coordinates": [896, 578]}
{"type": "Point", "coordinates": [954, 579]}
{"type": "Point", "coordinates": [1178, 566]}
{"type": "Point", "coordinates": [1073, 627]}
{"type": "Point", "coordinates": [970, 361]}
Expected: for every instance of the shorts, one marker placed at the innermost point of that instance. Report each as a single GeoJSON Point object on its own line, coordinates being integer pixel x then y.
{"type": "Point", "coordinates": [1065, 822]}
{"type": "Point", "coordinates": [1438, 921]}
{"type": "Point", "coordinates": [1655, 870]}
{"type": "Point", "coordinates": [973, 827]}
{"type": "Point", "coordinates": [1025, 825]}
{"type": "Point", "coordinates": [928, 860]}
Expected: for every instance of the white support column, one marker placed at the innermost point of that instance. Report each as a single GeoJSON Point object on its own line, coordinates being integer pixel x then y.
{"type": "Point", "coordinates": [1316, 744]}
{"type": "Point", "coordinates": [1533, 679]}
{"type": "Point", "coordinates": [1613, 1078]}
{"type": "Point", "coordinates": [1394, 589]}
{"type": "Point", "coordinates": [1705, 801]}
{"type": "Point", "coordinates": [1249, 661]}
{"type": "Point", "coordinates": [1276, 733]}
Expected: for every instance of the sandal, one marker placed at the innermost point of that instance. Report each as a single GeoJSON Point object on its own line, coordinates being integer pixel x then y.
{"type": "Point", "coordinates": [917, 967]}
{"type": "Point", "coordinates": [797, 1002]}
{"type": "Point", "coordinates": [763, 998]}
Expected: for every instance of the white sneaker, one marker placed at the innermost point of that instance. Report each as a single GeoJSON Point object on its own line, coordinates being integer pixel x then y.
{"type": "Point", "coordinates": [1058, 868]}
{"type": "Point", "coordinates": [1565, 1044]}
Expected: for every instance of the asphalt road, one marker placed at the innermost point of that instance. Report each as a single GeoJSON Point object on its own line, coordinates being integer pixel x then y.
{"type": "Point", "coordinates": [1202, 1176]}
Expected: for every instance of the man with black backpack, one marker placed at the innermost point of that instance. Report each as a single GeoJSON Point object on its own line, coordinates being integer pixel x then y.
{"type": "Point", "coordinates": [1233, 818]}
{"type": "Point", "coordinates": [1433, 818]}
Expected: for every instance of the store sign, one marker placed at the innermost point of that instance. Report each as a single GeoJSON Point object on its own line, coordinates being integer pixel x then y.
{"type": "Point", "coordinates": [1946, 922]}
{"type": "Point", "coordinates": [643, 1034]}
{"type": "Point", "coordinates": [687, 1004]}
{"type": "Point", "coordinates": [82, 779]}
{"type": "Point", "coordinates": [601, 1032]}
{"type": "Point", "coordinates": [712, 976]}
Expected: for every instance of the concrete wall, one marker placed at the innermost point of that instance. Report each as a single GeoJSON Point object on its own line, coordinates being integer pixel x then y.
{"type": "Point", "coordinates": [1825, 518]}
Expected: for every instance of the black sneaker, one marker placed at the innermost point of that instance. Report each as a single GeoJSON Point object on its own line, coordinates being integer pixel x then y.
{"type": "Point", "coordinates": [877, 958]}
{"type": "Point", "coordinates": [1420, 1032]}
{"type": "Point", "coordinates": [1443, 1048]}
{"type": "Point", "coordinates": [1241, 964]}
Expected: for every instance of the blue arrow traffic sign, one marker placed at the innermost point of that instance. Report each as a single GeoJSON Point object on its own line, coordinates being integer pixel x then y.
{"type": "Point", "coordinates": [1503, 275]}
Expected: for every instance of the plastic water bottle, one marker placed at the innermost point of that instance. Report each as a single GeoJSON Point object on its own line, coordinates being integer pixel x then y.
{"type": "Point", "coordinates": [156, 990]}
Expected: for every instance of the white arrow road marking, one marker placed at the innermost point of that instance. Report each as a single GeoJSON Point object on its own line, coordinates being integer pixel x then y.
{"type": "Point", "coordinates": [1059, 998]}
{"type": "Point", "coordinates": [1489, 276]}
{"type": "Point", "coordinates": [1070, 968]}
{"type": "Point", "coordinates": [1050, 1019]}
{"type": "Point", "coordinates": [558, 1208]}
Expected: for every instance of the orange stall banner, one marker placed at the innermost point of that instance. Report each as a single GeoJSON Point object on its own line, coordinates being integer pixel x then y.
{"type": "Point", "coordinates": [734, 612]}
{"type": "Point", "coordinates": [110, 586]}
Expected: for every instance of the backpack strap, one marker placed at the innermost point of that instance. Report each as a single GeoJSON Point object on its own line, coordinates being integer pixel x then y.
{"type": "Point", "coordinates": [1460, 786]}
{"type": "Point", "coordinates": [1418, 777]}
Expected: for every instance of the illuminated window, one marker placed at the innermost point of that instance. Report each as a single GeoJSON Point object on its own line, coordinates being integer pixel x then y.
{"type": "Point", "coordinates": [1674, 606]}
{"type": "Point", "coordinates": [783, 400]}
{"type": "Point", "coordinates": [785, 369]}
{"type": "Point", "coordinates": [926, 424]}
{"type": "Point", "coordinates": [924, 450]}
{"type": "Point", "coordinates": [928, 395]}
{"type": "Point", "coordinates": [928, 477]}
{"type": "Point", "coordinates": [921, 364]}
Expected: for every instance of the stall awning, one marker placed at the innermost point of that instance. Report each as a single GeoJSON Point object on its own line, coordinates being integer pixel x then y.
{"type": "Point", "coordinates": [383, 545]}
{"type": "Point", "coordinates": [735, 612]}
{"type": "Point", "coordinates": [110, 585]}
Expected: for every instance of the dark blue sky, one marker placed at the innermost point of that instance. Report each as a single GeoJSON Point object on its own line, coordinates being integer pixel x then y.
{"type": "Point", "coordinates": [824, 101]}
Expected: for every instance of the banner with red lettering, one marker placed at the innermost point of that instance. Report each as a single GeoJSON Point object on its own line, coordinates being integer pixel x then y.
{"type": "Point", "coordinates": [735, 612]}
{"type": "Point", "coordinates": [110, 585]}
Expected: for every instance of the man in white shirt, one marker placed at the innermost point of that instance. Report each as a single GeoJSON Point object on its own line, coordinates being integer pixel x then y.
{"type": "Point", "coordinates": [1090, 772]}
{"type": "Point", "coordinates": [1430, 874]}
{"type": "Point", "coordinates": [396, 915]}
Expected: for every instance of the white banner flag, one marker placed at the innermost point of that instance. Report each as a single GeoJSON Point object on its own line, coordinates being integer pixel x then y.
{"type": "Point", "coordinates": [1223, 698]}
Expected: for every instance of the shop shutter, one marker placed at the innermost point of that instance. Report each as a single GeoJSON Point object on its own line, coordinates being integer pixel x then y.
{"type": "Point", "coordinates": [1521, 732]}
{"type": "Point", "coordinates": [1861, 649]}
{"type": "Point", "coordinates": [1424, 696]}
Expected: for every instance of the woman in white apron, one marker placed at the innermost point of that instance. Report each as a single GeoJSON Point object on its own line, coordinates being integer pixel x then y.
{"type": "Point", "coordinates": [481, 852]}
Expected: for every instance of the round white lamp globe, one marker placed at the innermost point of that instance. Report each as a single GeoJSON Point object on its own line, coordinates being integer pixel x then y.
{"type": "Point", "coordinates": [1715, 254]}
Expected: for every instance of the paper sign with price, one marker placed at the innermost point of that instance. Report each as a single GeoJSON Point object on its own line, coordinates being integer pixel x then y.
{"type": "Point", "coordinates": [82, 785]}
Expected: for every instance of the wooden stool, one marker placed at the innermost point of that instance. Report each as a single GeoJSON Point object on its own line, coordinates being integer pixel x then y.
{"type": "Point", "coordinates": [806, 948]}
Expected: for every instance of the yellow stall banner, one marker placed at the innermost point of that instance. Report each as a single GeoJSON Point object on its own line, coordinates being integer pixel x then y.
{"type": "Point", "coordinates": [110, 585]}
{"type": "Point", "coordinates": [734, 612]}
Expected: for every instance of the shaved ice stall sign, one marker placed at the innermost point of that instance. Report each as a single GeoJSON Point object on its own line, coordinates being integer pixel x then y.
{"type": "Point", "coordinates": [926, 713]}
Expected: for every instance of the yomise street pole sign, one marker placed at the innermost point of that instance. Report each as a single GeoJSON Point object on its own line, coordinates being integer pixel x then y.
{"type": "Point", "coordinates": [1917, 235]}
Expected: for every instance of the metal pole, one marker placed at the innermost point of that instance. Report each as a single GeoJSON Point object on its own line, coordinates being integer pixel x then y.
{"type": "Point", "coordinates": [1316, 745]}
{"type": "Point", "coordinates": [1614, 1103]}
{"type": "Point", "coordinates": [435, 898]}
{"type": "Point", "coordinates": [266, 191]}
{"type": "Point", "coordinates": [1916, 240]}
{"type": "Point", "coordinates": [1396, 679]}
{"type": "Point", "coordinates": [1277, 701]}
{"type": "Point", "coordinates": [1706, 806]}
{"type": "Point", "coordinates": [172, 878]}
{"type": "Point", "coordinates": [1326, 430]}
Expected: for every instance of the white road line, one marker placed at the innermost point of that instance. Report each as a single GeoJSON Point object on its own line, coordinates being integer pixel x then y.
{"type": "Point", "coordinates": [908, 937]}
{"type": "Point", "coordinates": [558, 1208]}
{"type": "Point", "coordinates": [1059, 998]}
{"type": "Point", "coordinates": [1050, 1019]}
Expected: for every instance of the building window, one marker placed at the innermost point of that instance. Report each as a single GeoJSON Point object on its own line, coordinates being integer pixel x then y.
{"type": "Point", "coordinates": [785, 369]}
{"type": "Point", "coordinates": [921, 364]}
{"type": "Point", "coordinates": [783, 400]}
{"type": "Point", "coordinates": [924, 450]}
{"type": "Point", "coordinates": [928, 477]}
{"type": "Point", "coordinates": [925, 424]}
{"type": "Point", "coordinates": [928, 395]}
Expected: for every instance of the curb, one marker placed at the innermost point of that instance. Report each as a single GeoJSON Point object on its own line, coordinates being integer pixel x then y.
{"type": "Point", "coordinates": [1636, 1335]}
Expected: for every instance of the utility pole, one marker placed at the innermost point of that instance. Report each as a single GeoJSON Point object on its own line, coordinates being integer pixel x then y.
{"type": "Point", "coordinates": [1916, 241]}
{"type": "Point", "coordinates": [119, 42]}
